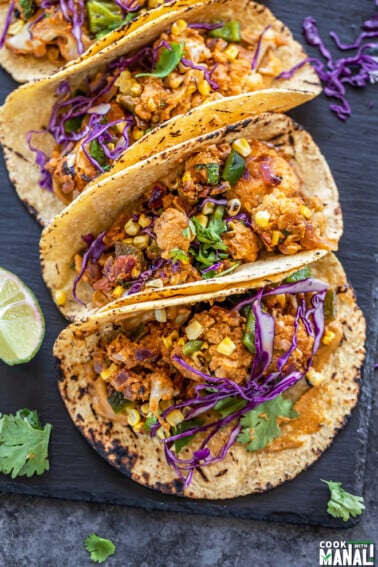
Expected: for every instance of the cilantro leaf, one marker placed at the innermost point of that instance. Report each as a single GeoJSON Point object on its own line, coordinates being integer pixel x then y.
{"type": "Point", "coordinates": [179, 255]}
{"type": "Point", "coordinates": [185, 426]}
{"type": "Point", "coordinates": [343, 504]}
{"type": "Point", "coordinates": [230, 405]}
{"type": "Point", "coordinates": [99, 548]}
{"type": "Point", "coordinates": [23, 444]}
{"type": "Point", "coordinates": [260, 427]}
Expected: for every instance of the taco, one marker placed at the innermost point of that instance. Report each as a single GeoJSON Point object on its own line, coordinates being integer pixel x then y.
{"type": "Point", "coordinates": [205, 214]}
{"type": "Point", "coordinates": [218, 395]}
{"type": "Point", "coordinates": [38, 37]}
{"type": "Point", "coordinates": [191, 73]}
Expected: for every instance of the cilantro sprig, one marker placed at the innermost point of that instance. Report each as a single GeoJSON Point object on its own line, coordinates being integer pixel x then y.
{"type": "Point", "coordinates": [260, 427]}
{"type": "Point", "coordinates": [343, 504]}
{"type": "Point", "coordinates": [99, 548]}
{"type": "Point", "coordinates": [23, 444]}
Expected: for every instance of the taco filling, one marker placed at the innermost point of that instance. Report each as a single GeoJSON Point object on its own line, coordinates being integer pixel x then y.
{"type": "Point", "coordinates": [61, 31]}
{"type": "Point", "coordinates": [224, 206]}
{"type": "Point", "coordinates": [186, 66]}
{"type": "Point", "coordinates": [242, 363]}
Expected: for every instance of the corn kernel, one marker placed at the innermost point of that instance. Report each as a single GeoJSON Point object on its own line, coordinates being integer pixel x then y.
{"type": "Point", "coordinates": [133, 417]}
{"type": "Point", "coordinates": [305, 212]}
{"type": "Point", "coordinates": [120, 126]}
{"type": "Point", "coordinates": [186, 178]}
{"type": "Point", "coordinates": [276, 237]}
{"type": "Point", "coordinates": [60, 297]}
{"type": "Point", "coordinates": [315, 378]}
{"type": "Point", "coordinates": [328, 337]}
{"type": "Point", "coordinates": [123, 81]}
{"type": "Point", "coordinates": [242, 147]}
{"type": "Point", "coordinates": [144, 220]}
{"type": "Point", "coordinates": [139, 426]}
{"type": "Point", "coordinates": [194, 330]}
{"type": "Point", "coordinates": [179, 26]}
{"type": "Point", "coordinates": [162, 433]}
{"type": "Point", "coordinates": [231, 52]}
{"type": "Point", "coordinates": [135, 272]}
{"type": "Point", "coordinates": [141, 241]}
{"type": "Point", "coordinates": [203, 220]}
{"type": "Point", "coordinates": [132, 228]}
{"type": "Point", "coordinates": [281, 298]}
{"type": "Point", "coordinates": [262, 218]}
{"type": "Point", "coordinates": [135, 89]}
{"type": "Point", "coordinates": [167, 341]}
{"type": "Point", "coordinates": [138, 133]}
{"type": "Point", "coordinates": [174, 417]}
{"type": "Point", "coordinates": [109, 372]}
{"type": "Point", "coordinates": [118, 292]}
{"type": "Point", "coordinates": [208, 208]}
{"type": "Point", "coordinates": [15, 27]}
{"type": "Point", "coordinates": [151, 105]}
{"type": "Point", "coordinates": [128, 240]}
{"type": "Point", "coordinates": [181, 341]}
{"type": "Point", "coordinates": [204, 88]}
{"type": "Point", "coordinates": [226, 347]}
{"type": "Point", "coordinates": [145, 408]}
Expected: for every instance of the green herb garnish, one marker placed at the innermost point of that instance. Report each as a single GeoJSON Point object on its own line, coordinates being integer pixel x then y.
{"type": "Point", "coordinates": [212, 171]}
{"type": "Point", "coordinates": [185, 426]}
{"type": "Point", "coordinates": [229, 32]}
{"type": "Point", "coordinates": [23, 444]}
{"type": "Point", "coordinates": [343, 504]}
{"type": "Point", "coordinates": [97, 152]}
{"type": "Point", "coordinates": [28, 8]}
{"type": "Point", "coordinates": [151, 420]}
{"type": "Point", "coordinates": [260, 427]}
{"type": "Point", "coordinates": [73, 124]}
{"type": "Point", "coordinates": [99, 548]}
{"type": "Point", "coordinates": [215, 274]}
{"type": "Point", "coordinates": [233, 168]}
{"type": "Point", "coordinates": [179, 255]}
{"type": "Point", "coordinates": [167, 61]}
{"type": "Point", "coordinates": [300, 275]}
{"type": "Point", "coordinates": [227, 406]}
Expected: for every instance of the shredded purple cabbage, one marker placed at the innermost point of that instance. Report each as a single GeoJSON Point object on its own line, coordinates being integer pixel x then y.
{"type": "Point", "coordinates": [204, 26]}
{"type": "Point", "coordinates": [41, 159]}
{"type": "Point", "coordinates": [357, 70]}
{"type": "Point", "coordinates": [94, 252]}
{"type": "Point", "coordinates": [262, 385]}
{"type": "Point", "coordinates": [258, 48]}
{"type": "Point", "coordinates": [7, 23]}
{"type": "Point", "coordinates": [207, 74]}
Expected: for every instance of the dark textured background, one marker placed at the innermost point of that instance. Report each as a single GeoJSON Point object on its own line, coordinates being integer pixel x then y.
{"type": "Point", "coordinates": [40, 532]}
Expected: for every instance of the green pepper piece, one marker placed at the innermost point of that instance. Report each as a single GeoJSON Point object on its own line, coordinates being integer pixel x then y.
{"type": "Point", "coordinates": [218, 213]}
{"type": "Point", "coordinates": [97, 152]}
{"type": "Point", "coordinates": [167, 62]}
{"type": "Point", "coordinates": [118, 402]}
{"type": "Point", "coordinates": [73, 124]}
{"type": "Point", "coordinates": [233, 168]}
{"type": "Point", "coordinates": [103, 15]}
{"type": "Point", "coordinates": [150, 422]}
{"type": "Point", "coordinates": [28, 8]}
{"type": "Point", "coordinates": [249, 332]}
{"type": "Point", "coordinates": [330, 305]}
{"type": "Point", "coordinates": [191, 346]}
{"type": "Point", "coordinates": [229, 32]}
{"type": "Point", "coordinates": [300, 275]}
{"type": "Point", "coordinates": [212, 170]}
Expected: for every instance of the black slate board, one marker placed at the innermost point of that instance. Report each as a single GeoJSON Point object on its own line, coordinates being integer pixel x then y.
{"type": "Point", "coordinates": [76, 471]}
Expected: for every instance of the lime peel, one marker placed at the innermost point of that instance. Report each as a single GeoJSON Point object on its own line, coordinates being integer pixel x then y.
{"type": "Point", "coordinates": [22, 325]}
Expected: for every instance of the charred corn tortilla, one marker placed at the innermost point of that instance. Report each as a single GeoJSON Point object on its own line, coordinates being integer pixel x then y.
{"type": "Point", "coordinates": [323, 409]}
{"type": "Point", "coordinates": [23, 113]}
{"type": "Point", "coordinates": [24, 68]}
{"type": "Point", "coordinates": [96, 210]}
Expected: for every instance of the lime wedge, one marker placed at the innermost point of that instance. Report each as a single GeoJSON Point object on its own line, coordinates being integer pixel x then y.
{"type": "Point", "coordinates": [22, 326]}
